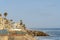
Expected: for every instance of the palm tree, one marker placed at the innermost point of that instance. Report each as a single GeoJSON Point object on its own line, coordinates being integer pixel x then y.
{"type": "Point", "coordinates": [21, 22]}
{"type": "Point", "coordinates": [5, 14]}
{"type": "Point", "coordinates": [0, 15]}
{"type": "Point", "coordinates": [24, 26]}
{"type": "Point", "coordinates": [11, 20]}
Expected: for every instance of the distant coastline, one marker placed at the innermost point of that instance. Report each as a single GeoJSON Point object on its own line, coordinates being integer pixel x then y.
{"type": "Point", "coordinates": [45, 28]}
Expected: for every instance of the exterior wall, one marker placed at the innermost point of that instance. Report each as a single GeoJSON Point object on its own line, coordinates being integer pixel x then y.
{"type": "Point", "coordinates": [3, 37]}
{"type": "Point", "coordinates": [1, 23]}
{"type": "Point", "coordinates": [18, 38]}
{"type": "Point", "coordinates": [15, 38]}
{"type": "Point", "coordinates": [11, 38]}
{"type": "Point", "coordinates": [22, 37]}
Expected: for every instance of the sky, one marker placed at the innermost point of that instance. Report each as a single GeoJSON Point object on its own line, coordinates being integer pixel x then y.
{"type": "Point", "coordinates": [34, 13]}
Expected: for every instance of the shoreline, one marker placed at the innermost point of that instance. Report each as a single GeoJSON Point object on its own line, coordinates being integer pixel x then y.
{"type": "Point", "coordinates": [36, 33]}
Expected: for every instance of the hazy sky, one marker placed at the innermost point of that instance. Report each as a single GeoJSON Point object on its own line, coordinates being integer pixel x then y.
{"type": "Point", "coordinates": [34, 13]}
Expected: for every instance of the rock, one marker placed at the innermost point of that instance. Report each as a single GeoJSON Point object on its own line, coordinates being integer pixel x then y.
{"type": "Point", "coordinates": [36, 33]}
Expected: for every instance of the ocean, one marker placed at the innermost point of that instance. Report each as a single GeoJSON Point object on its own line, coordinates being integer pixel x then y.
{"type": "Point", "coordinates": [53, 32]}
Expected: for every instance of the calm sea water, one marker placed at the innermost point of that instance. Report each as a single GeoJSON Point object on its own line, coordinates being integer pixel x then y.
{"type": "Point", "coordinates": [53, 32]}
